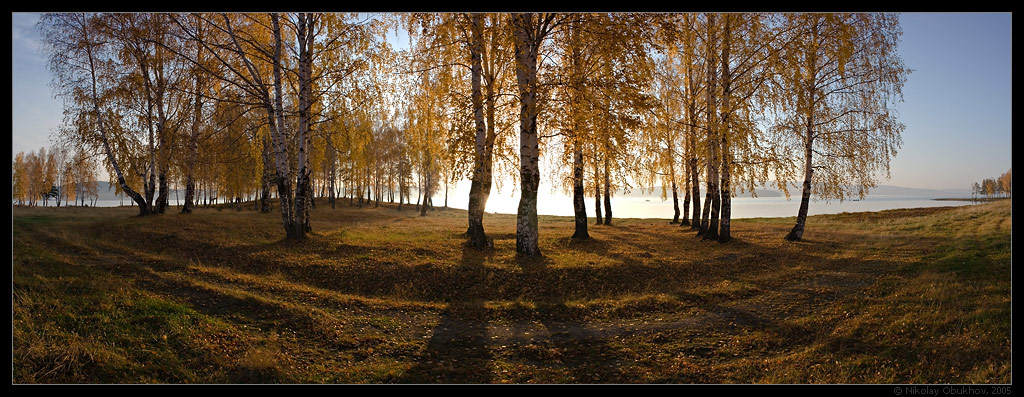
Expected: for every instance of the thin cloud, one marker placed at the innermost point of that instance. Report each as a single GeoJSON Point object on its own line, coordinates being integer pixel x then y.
{"type": "Point", "coordinates": [25, 39]}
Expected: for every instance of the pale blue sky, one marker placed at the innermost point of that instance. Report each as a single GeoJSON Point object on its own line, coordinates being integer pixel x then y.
{"type": "Point", "coordinates": [958, 101]}
{"type": "Point", "coordinates": [957, 105]}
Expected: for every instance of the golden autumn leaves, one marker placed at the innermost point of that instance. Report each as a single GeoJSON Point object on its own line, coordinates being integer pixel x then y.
{"type": "Point", "coordinates": [727, 101]}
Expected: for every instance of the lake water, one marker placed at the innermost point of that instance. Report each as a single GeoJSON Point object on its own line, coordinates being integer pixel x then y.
{"type": "Point", "coordinates": [771, 207]}
{"type": "Point", "coordinates": [630, 206]}
{"type": "Point", "coordinates": [742, 207]}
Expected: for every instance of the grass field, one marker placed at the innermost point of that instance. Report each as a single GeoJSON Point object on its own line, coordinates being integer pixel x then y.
{"type": "Point", "coordinates": [381, 296]}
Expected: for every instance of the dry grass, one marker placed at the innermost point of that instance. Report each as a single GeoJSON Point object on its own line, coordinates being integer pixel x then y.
{"type": "Point", "coordinates": [378, 296]}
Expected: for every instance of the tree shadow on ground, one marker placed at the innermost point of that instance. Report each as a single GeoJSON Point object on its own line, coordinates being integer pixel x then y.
{"type": "Point", "coordinates": [475, 257]}
{"type": "Point", "coordinates": [458, 348]}
{"type": "Point", "coordinates": [582, 354]}
{"type": "Point", "coordinates": [591, 245]}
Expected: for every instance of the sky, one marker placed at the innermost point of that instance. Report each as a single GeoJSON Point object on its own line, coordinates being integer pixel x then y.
{"type": "Point", "coordinates": [957, 102]}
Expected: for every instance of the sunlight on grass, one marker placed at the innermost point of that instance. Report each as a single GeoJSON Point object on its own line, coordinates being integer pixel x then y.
{"type": "Point", "coordinates": [378, 296]}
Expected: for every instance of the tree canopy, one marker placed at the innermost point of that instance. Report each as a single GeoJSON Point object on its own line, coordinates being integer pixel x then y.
{"type": "Point", "coordinates": [326, 105]}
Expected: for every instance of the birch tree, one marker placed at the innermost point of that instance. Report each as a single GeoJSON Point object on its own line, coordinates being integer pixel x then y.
{"type": "Point", "coordinates": [750, 46]}
{"type": "Point", "coordinates": [530, 31]}
{"type": "Point", "coordinates": [712, 199]}
{"type": "Point", "coordinates": [691, 69]}
{"type": "Point", "coordinates": [603, 73]}
{"type": "Point", "coordinates": [80, 61]}
{"type": "Point", "coordinates": [844, 77]}
{"type": "Point", "coordinates": [481, 44]}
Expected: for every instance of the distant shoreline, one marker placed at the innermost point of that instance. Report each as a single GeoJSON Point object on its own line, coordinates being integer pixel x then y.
{"type": "Point", "coordinates": [970, 199]}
